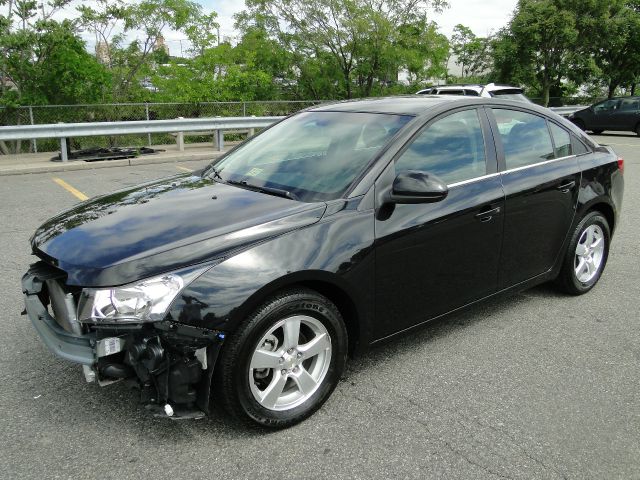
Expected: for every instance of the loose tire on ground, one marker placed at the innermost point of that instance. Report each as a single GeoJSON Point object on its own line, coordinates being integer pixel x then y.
{"type": "Point", "coordinates": [586, 255]}
{"type": "Point", "coordinates": [268, 353]}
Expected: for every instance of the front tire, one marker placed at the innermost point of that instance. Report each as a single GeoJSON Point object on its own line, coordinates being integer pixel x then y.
{"type": "Point", "coordinates": [597, 131]}
{"type": "Point", "coordinates": [586, 255]}
{"type": "Point", "coordinates": [283, 361]}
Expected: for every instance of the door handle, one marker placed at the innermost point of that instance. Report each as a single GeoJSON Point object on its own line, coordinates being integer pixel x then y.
{"type": "Point", "coordinates": [486, 214]}
{"type": "Point", "coordinates": [566, 187]}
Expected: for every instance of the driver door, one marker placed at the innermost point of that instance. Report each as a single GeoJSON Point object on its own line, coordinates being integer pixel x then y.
{"type": "Point", "coordinates": [432, 258]}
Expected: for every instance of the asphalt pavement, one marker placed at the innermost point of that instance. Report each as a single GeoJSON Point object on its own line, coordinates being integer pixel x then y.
{"type": "Point", "coordinates": [534, 386]}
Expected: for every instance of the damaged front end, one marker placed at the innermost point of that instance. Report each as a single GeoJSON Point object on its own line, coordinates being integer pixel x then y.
{"type": "Point", "coordinates": [123, 333]}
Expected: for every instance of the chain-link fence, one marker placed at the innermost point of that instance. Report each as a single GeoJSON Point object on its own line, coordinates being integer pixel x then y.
{"type": "Point", "coordinates": [37, 115]}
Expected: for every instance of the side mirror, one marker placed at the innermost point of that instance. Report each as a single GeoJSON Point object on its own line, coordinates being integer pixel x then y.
{"type": "Point", "coordinates": [414, 186]}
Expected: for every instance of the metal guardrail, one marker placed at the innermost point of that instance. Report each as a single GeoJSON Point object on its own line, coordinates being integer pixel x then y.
{"type": "Point", "coordinates": [67, 130]}
{"type": "Point", "coordinates": [566, 111]}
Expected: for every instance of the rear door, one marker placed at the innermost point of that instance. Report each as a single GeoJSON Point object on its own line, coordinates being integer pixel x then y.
{"type": "Point", "coordinates": [541, 179]}
{"type": "Point", "coordinates": [432, 258]}
{"type": "Point", "coordinates": [602, 114]}
{"type": "Point", "coordinates": [627, 115]}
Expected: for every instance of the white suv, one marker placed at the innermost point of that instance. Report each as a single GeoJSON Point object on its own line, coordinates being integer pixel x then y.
{"type": "Point", "coordinates": [506, 92]}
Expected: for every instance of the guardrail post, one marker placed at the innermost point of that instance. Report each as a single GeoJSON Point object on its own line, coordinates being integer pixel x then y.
{"type": "Point", "coordinates": [34, 143]}
{"type": "Point", "coordinates": [220, 139]}
{"type": "Point", "coordinates": [63, 150]}
{"type": "Point", "coordinates": [180, 139]}
{"type": "Point", "coordinates": [146, 109]}
{"type": "Point", "coordinates": [252, 131]}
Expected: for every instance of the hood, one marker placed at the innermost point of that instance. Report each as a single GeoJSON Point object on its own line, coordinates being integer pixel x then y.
{"type": "Point", "coordinates": [160, 226]}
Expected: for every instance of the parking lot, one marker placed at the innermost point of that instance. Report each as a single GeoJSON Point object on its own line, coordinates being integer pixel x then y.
{"type": "Point", "coordinates": [536, 385]}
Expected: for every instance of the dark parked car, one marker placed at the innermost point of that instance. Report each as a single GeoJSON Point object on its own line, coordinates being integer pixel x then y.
{"type": "Point", "coordinates": [341, 226]}
{"type": "Point", "coordinates": [619, 114]}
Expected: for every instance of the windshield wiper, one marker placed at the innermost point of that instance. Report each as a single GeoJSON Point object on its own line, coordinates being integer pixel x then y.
{"type": "Point", "coordinates": [216, 174]}
{"type": "Point", "coordinates": [270, 190]}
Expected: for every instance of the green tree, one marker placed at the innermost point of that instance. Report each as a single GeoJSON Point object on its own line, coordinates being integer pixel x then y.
{"type": "Point", "coordinates": [539, 46]}
{"type": "Point", "coordinates": [46, 60]}
{"type": "Point", "coordinates": [472, 52]}
{"type": "Point", "coordinates": [613, 28]}
{"type": "Point", "coordinates": [114, 21]}
{"type": "Point", "coordinates": [361, 40]}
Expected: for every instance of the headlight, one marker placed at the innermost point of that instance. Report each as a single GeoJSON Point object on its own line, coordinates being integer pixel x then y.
{"type": "Point", "coordinates": [145, 301]}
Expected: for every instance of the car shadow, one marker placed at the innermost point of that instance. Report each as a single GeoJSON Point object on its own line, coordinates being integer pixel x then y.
{"type": "Point", "coordinates": [117, 407]}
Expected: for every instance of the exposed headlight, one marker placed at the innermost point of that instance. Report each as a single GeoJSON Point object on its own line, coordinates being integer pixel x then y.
{"type": "Point", "coordinates": [145, 301]}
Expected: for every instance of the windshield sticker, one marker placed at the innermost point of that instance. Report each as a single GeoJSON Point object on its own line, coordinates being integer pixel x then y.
{"type": "Point", "coordinates": [253, 172]}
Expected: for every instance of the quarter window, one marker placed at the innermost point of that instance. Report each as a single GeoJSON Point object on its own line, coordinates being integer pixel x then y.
{"type": "Point", "coordinates": [451, 148]}
{"type": "Point", "coordinates": [525, 138]}
{"type": "Point", "coordinates": [562, 140]}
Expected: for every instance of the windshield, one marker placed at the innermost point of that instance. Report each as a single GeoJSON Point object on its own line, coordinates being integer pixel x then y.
{"type": "Point", "coordinates": [312, 156]}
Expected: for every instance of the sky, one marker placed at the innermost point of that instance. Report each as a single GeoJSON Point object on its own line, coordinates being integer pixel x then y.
{"type": "Point", "coordinates": [482, 16]}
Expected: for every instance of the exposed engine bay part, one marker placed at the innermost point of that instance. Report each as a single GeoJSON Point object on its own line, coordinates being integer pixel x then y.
{"type": "Point", "coordinates": [95, 154]}
{"type": "Point", "coordinates": [171, 364]}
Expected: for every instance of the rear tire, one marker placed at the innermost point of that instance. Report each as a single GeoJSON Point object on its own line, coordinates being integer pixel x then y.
{"type": "Point", "coordinates": [284, 361]}
{"type": "Point", "coordinates": [586, 255]}
{"type": "Point", "coordinates": [638, 129]}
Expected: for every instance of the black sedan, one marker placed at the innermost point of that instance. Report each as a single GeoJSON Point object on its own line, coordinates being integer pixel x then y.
{"type": "Point", "coordinates": [618, 114]}
{"type": "Point", "coordinates": [249, 282]}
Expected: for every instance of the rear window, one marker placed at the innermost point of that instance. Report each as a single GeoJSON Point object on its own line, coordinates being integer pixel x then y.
{"type": "Point", "coordinates": [510, 94]}
{"type": "Point", "coordinates": [450, 92]}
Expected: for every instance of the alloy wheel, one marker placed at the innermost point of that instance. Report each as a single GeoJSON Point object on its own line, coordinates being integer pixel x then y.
{"type": "Point", "coordinates": [589, 253]}
{"type": "Point", "coordinates": [290, 362]}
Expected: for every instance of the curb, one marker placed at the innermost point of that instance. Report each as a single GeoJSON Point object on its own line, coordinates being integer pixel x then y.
{"type": "Point", "coordinates": [129, 162]}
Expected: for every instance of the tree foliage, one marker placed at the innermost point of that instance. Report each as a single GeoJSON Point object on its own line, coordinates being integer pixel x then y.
{"type": "Point", "coordinates": [472, 52]}
{"type": "Point", "coordinates": [44, 61]}
{"type": "Point", "coordinates": [357, 45]}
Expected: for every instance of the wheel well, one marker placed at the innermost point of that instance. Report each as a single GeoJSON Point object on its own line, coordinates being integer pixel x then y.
{"type": "Point", "coordinates": [606, 210]}
{"type": "Point", "coordinates": [345, 305]}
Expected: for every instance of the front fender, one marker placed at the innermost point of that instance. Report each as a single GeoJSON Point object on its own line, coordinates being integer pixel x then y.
{"type": "Point", "coordinates": [336, 251]}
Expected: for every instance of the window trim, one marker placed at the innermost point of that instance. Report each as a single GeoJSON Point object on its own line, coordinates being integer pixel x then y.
{"type": "Point", "coordinates": [502, 161]}
{"type": "Point", "coordinates": [490, 154]}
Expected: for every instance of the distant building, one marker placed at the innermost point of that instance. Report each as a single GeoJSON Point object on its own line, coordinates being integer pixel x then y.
{"type": "Point", "coordinates": [102, 52]}
{"type": "Point", "coordinates": [7, 83]}
{"type": "Point", "coordinates": [161, 45]}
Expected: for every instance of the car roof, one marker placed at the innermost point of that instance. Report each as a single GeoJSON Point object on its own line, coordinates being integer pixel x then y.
{"type": "Point", "coordinates": [417, 105]}
{"type": "Point", "coordinates": [399, 105]}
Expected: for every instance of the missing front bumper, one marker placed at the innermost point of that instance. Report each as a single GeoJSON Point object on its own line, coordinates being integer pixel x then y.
{"type": "Point", "coordinates": [172, 364]}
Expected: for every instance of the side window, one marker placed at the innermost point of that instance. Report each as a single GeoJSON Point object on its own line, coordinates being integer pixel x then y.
{"type": "Point", "coordinates": [606, 106]}
{"type": "Point", "coordinates": [525, 138]}
{"type": "Point", "coordinates": [451, 148]}
{"type": "Point", "coordinates": [471, 93]}
{"type": "Point", "coordinates": [630, 105]}
{"type": "Point", "coordinates": [561, 139]}
{"type": "Point", "coordinates": [579, 148]}
{"type": "Point", "coordinates": [451, 92]}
